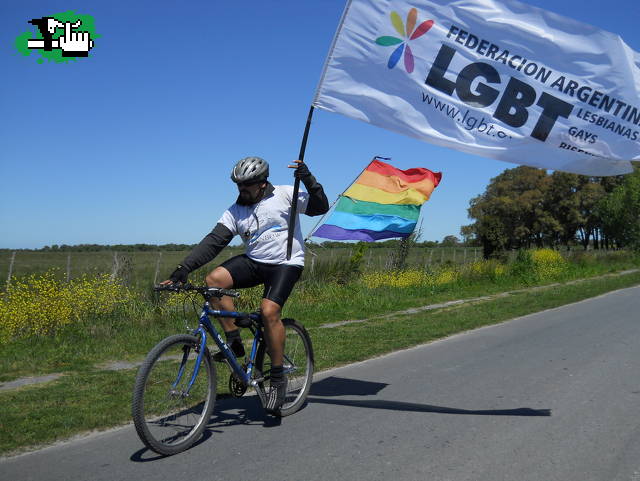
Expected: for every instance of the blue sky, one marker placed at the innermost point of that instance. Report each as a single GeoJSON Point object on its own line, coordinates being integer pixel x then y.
{"type": "Point", "coordinates": [135, 143]}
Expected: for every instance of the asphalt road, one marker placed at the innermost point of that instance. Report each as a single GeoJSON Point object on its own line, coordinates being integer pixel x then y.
{"type": "Point", "coordinates": [550, 396]}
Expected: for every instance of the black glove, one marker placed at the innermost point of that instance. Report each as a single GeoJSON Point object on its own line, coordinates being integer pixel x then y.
{"type": "Point", "coordinates": [179, 275]}
{"type": "Point", "coordinates": [302, 172]}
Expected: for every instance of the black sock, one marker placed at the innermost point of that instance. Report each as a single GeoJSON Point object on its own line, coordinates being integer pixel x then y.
{"type": "Point", "coordinates": [233, 336]}
{"type": "Point", "coordinates": [277, 373]}
{"type": "Point", "coordinates": [235, 342]}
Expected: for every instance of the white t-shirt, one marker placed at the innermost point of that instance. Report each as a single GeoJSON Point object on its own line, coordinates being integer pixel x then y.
{"type": "Point", "coordinates": [263, 227]}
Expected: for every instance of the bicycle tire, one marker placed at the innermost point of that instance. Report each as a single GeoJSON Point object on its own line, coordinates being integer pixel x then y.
{"type": "Point", "coordinates": [166, 420]}
{"type": "Point", "coordinates": [298, 364]}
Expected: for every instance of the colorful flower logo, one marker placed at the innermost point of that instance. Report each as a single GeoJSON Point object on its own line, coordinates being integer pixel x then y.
{"type": "Point", "coordinates": [407, 35]}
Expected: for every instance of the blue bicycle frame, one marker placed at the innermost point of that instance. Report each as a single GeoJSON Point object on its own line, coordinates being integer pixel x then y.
{"type": "Point", "coordinates": [207, 325]}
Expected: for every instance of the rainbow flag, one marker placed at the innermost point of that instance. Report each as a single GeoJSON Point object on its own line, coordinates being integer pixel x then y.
{"type": "Point", "coordinates": [383, 203]}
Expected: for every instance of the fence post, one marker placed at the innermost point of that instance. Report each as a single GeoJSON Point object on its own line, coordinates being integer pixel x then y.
{"type": "Point", "coordinates": [68, 266]}
{"type": "Point", "coordinates": [464, 259]}
{"type": "Point", "coordinates": [13, 258]}
{"type": "Point", "coordinates": [155, 277]}
{"type": "Point", "coordinates": [475, 254]}
{"type": "Point", "coordinates": [115, 266]}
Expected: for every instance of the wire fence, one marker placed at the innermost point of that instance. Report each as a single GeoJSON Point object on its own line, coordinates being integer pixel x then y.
{"type": "Point", "coordinates": [143, 268]}
{"type": "Point", "coordinates": [146, 268]}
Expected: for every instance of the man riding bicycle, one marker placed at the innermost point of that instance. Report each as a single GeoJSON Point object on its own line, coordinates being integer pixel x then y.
{"type": "Point", "coordinates": [260, 216]}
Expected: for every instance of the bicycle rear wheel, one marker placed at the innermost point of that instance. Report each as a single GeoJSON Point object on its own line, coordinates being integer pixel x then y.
{"type": "Point", "coordinates": [167, 415]}
{"type": "Point", "coordinates": [298, 365]}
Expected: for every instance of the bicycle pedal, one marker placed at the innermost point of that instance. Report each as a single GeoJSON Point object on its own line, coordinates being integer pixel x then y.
{"type": "Point", "coordinates": [258, 384]}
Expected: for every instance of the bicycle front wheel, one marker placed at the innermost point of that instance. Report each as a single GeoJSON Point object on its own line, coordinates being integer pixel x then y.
{"type": "Point", "coordinates": [298, 365]}
{"type": "Point", "coordinates": [170, 416]}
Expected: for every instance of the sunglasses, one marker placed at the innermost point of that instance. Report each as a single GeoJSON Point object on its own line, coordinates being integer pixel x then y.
{"type": "Point", "coordinates": [248, 184]}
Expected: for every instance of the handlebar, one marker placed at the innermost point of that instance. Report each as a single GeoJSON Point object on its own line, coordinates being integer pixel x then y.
{"type": "Point", "coordinates": [204, 290]}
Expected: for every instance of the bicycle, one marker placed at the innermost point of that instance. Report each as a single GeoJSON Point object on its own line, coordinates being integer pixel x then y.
{"type": "Point", "coordinates": [175, 388]}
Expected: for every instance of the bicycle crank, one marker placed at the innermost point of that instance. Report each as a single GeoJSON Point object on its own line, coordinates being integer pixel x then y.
{"type": "Point", "coordinates": [236, 386]}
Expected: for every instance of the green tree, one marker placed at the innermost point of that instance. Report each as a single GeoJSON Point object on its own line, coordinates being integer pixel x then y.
{"type": "Point", "coordinates": [524, 207]}
{"type": "Point", "coordinates": [609, 184]}
{"type": "Point", "coordinates": [563, 205]}
{"type": "Point", "coordinates": [590, 195]}
{"type": "Point", "coordinates": [450, 241]}
{"type": "Point", "coordinates": [620, 212]}
{"type": "Point", "coordinates": [512, 213]}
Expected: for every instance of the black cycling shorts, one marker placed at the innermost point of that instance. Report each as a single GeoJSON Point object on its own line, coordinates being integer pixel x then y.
{"type": "Point", "coordinates": [278, 279]}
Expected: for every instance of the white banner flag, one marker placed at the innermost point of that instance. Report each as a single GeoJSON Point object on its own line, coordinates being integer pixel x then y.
{"type": "Point", "coordinates": [499, 79]}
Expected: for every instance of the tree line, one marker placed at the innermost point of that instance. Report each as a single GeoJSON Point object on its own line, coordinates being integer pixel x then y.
{"type": "Point", "coordinates": [526, 207]}
{"type": "Point", "coordinates": [448, 241]}
{"type": "Point", "coordinates": [114, 247]}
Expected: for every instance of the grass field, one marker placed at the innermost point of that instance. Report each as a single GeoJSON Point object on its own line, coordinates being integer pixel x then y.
{"type": "Point", "coordinates": [142, 269]}
{"type": "Point", "coordinates": [87, 397]}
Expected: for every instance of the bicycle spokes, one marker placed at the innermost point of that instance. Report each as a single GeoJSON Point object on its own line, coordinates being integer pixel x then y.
{"type": "Point", "coordinates": [171, 406]}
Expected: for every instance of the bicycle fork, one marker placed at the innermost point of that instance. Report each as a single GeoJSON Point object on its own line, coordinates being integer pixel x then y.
{"type": "Point", "coordinates": [200, 349]}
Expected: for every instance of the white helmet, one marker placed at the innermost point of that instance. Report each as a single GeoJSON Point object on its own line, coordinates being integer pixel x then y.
{"type": "Point", "coordinates": [250, 169]}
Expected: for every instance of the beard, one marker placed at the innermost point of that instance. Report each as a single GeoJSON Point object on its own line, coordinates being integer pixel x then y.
{"type": "Point", "coordinates": [245, 197]}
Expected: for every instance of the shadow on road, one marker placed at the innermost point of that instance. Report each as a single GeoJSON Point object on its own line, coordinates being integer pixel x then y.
{"type": "Point", "coordinates": [227, 412]}
{"type": "Point", "coordinates": [248, 411]}
{"type": "Point", "coordinates": [138, 456]}
{"type": "Point", "coordinates": [337, 386]}
{"type": "Point", "coordinates": [427, 408]}
{"type": "Point", "coordinates": [340, 386]}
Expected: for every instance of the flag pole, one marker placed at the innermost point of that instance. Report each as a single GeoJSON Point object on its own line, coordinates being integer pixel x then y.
{"type": "Point", "coordinates": [296, 183]}
{"type": "Point", "coordinates": [296, 186]}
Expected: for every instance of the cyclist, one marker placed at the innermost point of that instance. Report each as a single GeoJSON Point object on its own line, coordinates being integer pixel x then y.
{"type": "Point", "coordinates": [260, 216]}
